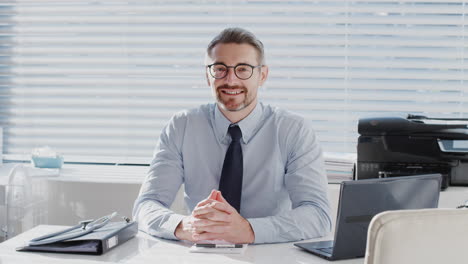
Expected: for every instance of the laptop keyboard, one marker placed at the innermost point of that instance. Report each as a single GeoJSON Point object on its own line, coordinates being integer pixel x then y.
{"type": "Point", "coordinates": [327, 250]}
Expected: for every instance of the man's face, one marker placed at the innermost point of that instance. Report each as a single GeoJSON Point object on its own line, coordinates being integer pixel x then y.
{"type": "Point", "coordinates": [234, 94]}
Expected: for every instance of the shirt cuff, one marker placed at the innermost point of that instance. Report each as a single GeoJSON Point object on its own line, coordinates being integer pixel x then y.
{"type": "Point", "coordinates": [263, 230]}
{"type": "Point", "coordinates": [168, 227]}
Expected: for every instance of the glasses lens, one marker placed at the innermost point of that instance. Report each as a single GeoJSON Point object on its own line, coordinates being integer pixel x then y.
{"type": "Point", "coordinates": [218, 71]}
{"type": "Point", "coordinates": [243, 71]}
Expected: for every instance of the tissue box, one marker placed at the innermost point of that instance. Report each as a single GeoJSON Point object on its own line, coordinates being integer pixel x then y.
{"type": "Point", "coordinates": [47, 162]}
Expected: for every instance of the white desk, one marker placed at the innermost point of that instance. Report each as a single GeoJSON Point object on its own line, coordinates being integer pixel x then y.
{"type": "Point", "coordinates": [146, 249]}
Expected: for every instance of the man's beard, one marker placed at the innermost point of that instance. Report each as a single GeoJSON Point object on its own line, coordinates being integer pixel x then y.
{"type": "Point", "coordinates": [224, 103]}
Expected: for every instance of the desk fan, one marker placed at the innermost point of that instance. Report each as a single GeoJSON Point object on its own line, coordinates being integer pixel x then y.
{"type": "Point", "coordinates": [25, 203]}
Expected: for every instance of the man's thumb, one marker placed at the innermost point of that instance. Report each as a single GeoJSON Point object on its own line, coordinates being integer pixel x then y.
{"type": "Point", "coordinates": [213, 195]}
{"type": "Point", "coordinates": [221, 198]}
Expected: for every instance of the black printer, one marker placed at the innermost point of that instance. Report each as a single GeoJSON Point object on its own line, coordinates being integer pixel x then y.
{"type": "Point", "coordinates": [395, 146]}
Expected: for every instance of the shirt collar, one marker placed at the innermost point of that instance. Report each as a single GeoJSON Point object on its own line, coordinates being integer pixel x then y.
{"type": "Point", "coordinates": [247, 125]}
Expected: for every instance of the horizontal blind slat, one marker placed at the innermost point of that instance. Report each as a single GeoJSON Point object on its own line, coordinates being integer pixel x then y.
{"type": "Point", "coordinates": [91, 76]}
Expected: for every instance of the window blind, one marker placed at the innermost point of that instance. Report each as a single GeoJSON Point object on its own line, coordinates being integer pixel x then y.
{"type": "Point", "coordinates": [97, 80]}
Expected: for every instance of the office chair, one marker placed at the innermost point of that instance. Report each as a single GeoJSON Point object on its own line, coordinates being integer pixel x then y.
{"type": "Point", "coordinates": [429, 236]}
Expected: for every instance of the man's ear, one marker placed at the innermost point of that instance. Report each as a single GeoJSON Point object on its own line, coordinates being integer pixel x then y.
{"type": "Point", "coordinates": [207, 79]}
{"type": "Point", "coordinates": [207, 62]}
{"type": "Point", "coordinates": [263, 74]}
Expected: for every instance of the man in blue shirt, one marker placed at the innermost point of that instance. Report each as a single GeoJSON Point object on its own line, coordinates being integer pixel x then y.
{"type": "Point", "coordinates": [283, 185]}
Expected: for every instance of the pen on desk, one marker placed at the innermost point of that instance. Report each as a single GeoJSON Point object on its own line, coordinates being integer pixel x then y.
{"type": "Point", "coordinates": [219, 245]}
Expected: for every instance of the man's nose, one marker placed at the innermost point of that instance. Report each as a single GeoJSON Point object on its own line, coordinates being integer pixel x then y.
{"type": "Point", "coordinates": [231, 76]}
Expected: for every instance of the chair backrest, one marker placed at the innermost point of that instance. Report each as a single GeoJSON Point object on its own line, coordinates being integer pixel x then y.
{"type": "Point", "coordinates": [418, 236]}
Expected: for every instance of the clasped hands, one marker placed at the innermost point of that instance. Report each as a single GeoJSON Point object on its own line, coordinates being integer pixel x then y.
{"type": "Point", "coordinates": [215, 219]}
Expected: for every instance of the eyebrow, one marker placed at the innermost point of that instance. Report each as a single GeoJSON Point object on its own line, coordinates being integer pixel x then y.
{"type": "Point", "coordinates": [236, 64]}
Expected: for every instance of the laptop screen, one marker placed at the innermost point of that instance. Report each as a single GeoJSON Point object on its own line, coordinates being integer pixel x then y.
{"type": "Point", "coordinates": [361, 200]}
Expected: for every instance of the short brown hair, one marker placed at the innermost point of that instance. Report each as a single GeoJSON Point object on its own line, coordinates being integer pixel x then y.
{"type": "Point", "coordinates": [239, 36]}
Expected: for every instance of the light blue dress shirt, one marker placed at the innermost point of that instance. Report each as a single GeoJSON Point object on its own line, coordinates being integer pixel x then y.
{"type": "Point", "coordinates": [284, 192]}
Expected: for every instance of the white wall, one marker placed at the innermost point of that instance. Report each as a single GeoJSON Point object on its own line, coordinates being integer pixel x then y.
{"type": "Point", "coordinates": [70, 202]}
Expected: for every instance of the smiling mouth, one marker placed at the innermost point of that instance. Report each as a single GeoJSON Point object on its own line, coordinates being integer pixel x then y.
{"type": "Point", "coordinates": [231, 92]}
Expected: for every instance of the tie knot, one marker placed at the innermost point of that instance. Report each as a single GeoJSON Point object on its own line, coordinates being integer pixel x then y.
{"type": "Point", "coordinates": [235, 133]}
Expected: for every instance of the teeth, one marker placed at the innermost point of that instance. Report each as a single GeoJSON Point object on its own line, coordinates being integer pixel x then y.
{"type": "Point", "coordinates": [229, 92]}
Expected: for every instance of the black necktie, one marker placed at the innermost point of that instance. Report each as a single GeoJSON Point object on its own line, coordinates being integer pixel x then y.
{"type": "Point", "coordinates": [230, 184]}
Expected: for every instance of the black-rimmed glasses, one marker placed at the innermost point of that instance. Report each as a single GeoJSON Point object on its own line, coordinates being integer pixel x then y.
{"type": "Point", "coordinates": [243, 71]}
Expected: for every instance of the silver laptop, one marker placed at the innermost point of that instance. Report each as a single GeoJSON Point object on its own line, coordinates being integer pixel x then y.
{"type": "Point", "coordinates": [361, 200]}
